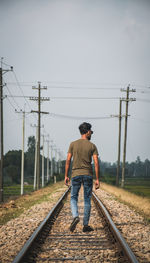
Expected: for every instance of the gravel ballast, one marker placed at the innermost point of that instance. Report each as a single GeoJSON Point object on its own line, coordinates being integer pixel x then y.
{"type": "Point", "coordinates": [134, 228]}
{"type": "Point", "coordinates": [16, 232]}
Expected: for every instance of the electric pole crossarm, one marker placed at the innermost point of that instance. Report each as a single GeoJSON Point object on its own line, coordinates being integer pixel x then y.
{"type": "Point", "coordinates": [131, 99]}
{"type": "Point", "coordinates": [118, 116]}
{"type": "Point", "coordinates": [44, 87]}
{"type": "Point", "coordinates": [42, 98]}
{"type": "Point", "coordinates": [130, 90]}
{"type": "Point", "coordinates": [42, 112]}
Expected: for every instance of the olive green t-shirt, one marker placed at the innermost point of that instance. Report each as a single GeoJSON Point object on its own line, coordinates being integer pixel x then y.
{"type": "Point", "coordinates": [82, 151]}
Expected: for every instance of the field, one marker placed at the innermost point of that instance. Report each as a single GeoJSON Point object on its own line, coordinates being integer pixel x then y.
{"type": "Point", "coordinates": [14, 191]}
{"type": "Point", "coordinates": [136, 194]}
{"type": "Point", "coordinates": [137, 185]}
{"type": "Point", "coordinates": [14, 208]}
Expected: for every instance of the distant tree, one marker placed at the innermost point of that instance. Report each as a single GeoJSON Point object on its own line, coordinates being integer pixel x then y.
{"type": "Point", "coordinates": [139, 167]}
{"type": "Point", "coordinates": [12, 157]}
{"type": "Point", "coordinates": [131, 169]}
{"type": "Point", "coordinates": [30, 157]}
{"type": "Point", "coordinates": [31, 144]}
{"type": "Point", "coordinates": [12, 166]}
{"type": "Point", "coordinates": [138, 160]}
{"type": "Point", "coordinates": [13, 172]}
{"type": "Point", "coordinates": [147, 167]}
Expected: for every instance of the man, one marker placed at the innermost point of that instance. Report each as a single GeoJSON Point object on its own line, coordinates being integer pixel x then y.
{"type": "Point", "coordinates": [82, 151]}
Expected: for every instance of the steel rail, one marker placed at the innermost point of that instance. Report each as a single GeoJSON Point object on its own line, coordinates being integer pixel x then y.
{"type": "Point", "coordinates": [35, 234]}
{"type": "Point", "coordinates": [128, 252]}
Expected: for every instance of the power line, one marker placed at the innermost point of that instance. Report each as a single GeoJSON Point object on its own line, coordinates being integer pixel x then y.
{"type": "Point", "coordinates": [25, 97]}
{"type": "Point", "coordinates": [141, 120]}
{"type": "Point", "coordinates": [81, 85]}
{"type": "Point", "coordinates": [11, 104]}
{"type": "Point", "coordinates": [21, 88]}
{"type": "Point", "coordinates": [88, 98]}
{"type": "Point", "coordinates": [3, 63]}
{"type": "Point", "coordinates": [67, 87]}
{"type": "Point", "coordinates": [143, 92]}
{"type": "Point", "coordinates": [75, 98]}
{"type": "Point", "coordinates": [78, 118]}
{"type": "Point", "coordinates": [12, 96]}
{"type": "Point", "coordinates": [143, 100]}
{"type": "Point", "coordinates": [13, 120]}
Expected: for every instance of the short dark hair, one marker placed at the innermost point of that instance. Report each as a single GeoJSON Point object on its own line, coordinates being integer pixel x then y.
{"type": "Point", "coordinates": [84, 127]}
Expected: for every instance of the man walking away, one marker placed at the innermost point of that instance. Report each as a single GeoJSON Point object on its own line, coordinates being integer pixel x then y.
{"type": "Point", "coordinates": [82, 151]}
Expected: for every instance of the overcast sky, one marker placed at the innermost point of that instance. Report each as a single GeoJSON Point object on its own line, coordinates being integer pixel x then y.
{"type": "Point", "coordinates": [78, 48]}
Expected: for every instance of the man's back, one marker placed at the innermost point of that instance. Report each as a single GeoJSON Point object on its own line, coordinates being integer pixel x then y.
{"type": "Point", "coordinates": [82, 151]}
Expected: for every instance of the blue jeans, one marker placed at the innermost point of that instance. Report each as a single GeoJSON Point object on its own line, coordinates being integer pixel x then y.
{"type": "Point", "coordinates": [76, 182]}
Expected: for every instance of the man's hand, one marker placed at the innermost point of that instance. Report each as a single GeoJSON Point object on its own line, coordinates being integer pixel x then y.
{"type": "Point", "coordinates": [97, 184]}
{"type": "Point", "coordinates": [68, 161]}
{"type": "Point", "coordinates": [67, 181]}
{"type": "Point", "coordinates": [97, 171]}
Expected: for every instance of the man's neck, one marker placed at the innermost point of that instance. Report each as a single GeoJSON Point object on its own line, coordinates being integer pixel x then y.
{"type": "Point", "coordinates": [83, 136]}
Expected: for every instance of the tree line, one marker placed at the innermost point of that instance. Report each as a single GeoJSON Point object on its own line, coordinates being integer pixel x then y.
{"type": "Point", "coordinates": [134, 169]}
{"type": "Point", "coordinates": [12, 166]}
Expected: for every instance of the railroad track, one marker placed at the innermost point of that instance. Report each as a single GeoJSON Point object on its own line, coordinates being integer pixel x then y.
{"type": "Point", "coordinates": [53, 242]}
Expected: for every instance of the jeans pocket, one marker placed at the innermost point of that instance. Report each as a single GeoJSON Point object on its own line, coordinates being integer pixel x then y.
{"type": "Point", "coordinates": [88, 180]}
{"type": "Point", "coordinates": [76, 180]}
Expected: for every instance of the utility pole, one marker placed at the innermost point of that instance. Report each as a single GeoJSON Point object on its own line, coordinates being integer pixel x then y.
{"type": "Point", "coordinates": [51, 160]}
{"type": "Point", "coordinates": [22, 156]}
{"type": "Point", "coordinates": [55, 165]}
{"type": "Point", "coordinates": [35, 161]}
{"type": "Point", "coordinates": [119, 140]}
{"type": "Point", "coordinates": [43, 163]}
{"type": "Point", "coordinates": [59, 168]}
{"type": "Point", "coordinates": [59, 162]}
{"type": "Point", "coordinates": [39, 99]}
{"type": "Point", "coordinates": [48, 175]}
{"type": "Point", "coordinates": [47, 161]}
{"type": "Point", "coordinates": [35, 158]}
{"type": "Point", "coordinates": [22, 162]}
{"type": "Point", "coordinates": [2, 71]}
{"type": "Point", "coordinates": [119, 143]}
{"type": "Point", "coordinates": [125, 130]}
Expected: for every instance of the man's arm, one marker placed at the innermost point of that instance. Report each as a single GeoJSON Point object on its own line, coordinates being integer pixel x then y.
{"type": "Point", "coordinates": [97, 170]}
{"type": "Point", "coordinates": [68, 161]}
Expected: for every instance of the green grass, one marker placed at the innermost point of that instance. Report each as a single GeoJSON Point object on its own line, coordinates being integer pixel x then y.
{"type": "Point", "coordinates": [139, 190]}
{"type": "Point", "coordinates": [24, 202]}
{"type": "Point", "coordinates": [15, 191]}
{"type": "Point", "coordinates": [137, 185]}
